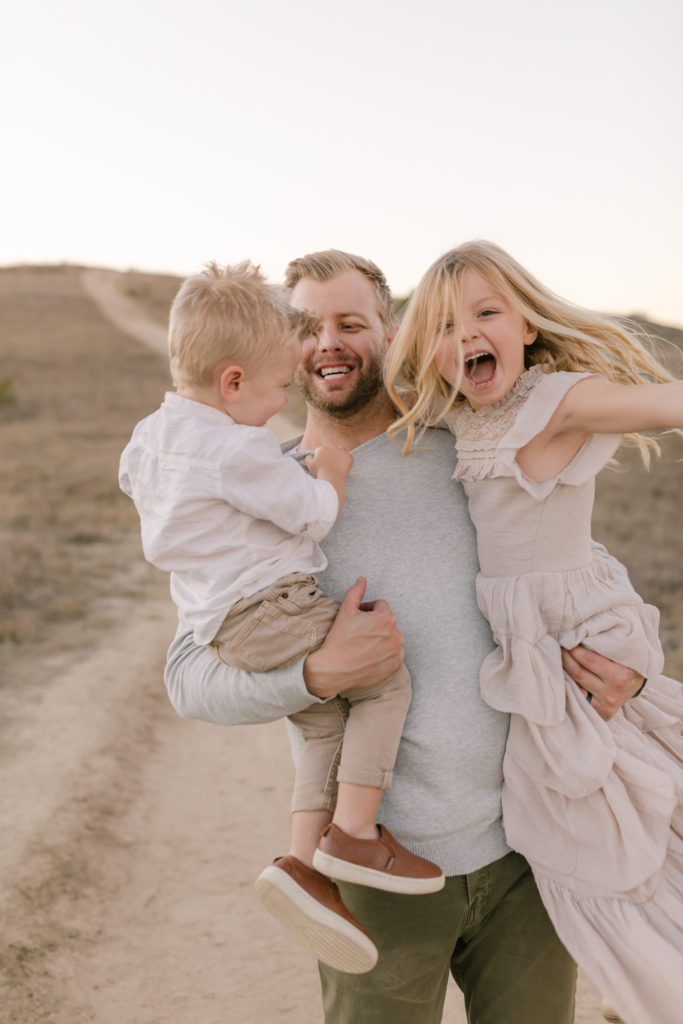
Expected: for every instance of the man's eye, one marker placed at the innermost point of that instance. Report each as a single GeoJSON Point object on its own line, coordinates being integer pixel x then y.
{"type": "Point", "coordinates": [350, 328]}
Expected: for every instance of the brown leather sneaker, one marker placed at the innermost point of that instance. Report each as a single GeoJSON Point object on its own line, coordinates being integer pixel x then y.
{"type": "Point", "coordinates": [311, 908]}
{"type": "Point", "coordinates": [380, 863]}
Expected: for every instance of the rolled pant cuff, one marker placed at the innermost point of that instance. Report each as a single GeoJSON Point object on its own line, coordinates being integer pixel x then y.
{"type": "Point", "coordinates": [375, 779]}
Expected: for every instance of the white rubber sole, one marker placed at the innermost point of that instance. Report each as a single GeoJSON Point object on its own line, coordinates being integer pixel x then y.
{"type": "Point", "coordinates": [609, 1013]}
{"type": "Point", "coordinates": [346, 871]}
{"type": "Point", "coordinates": [330, 938]}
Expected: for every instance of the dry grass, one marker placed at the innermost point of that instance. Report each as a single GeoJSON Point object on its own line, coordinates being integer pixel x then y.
{"type": "Point", "coordinates": [72, 387]}
{"type": "Point", "coordinates": [637, 515]}
{"type": "Point", "coordinates": [154, 292]}
{"type": "Point", "coordinates": [79, 387]}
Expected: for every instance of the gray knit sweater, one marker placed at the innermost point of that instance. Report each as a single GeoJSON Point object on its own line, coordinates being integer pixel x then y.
{"type": "Point", "coordinates": [405, 527]}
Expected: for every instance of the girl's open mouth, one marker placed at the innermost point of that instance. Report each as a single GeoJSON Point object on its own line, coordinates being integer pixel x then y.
{"type": "Point", "coordinates": [480, 368]}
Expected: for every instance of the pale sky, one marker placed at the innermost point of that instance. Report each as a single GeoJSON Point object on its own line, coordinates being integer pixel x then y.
{"type": "Point", "coordinates": [161, 135]}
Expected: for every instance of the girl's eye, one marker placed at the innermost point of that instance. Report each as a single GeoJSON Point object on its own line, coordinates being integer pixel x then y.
{"type": "Point", "coordinates": [487, 312]}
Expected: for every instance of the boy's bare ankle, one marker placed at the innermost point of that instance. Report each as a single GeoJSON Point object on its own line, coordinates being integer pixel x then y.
{"type": "Point", "coordinates": [305, 856]}
{"type": "Point", "coordinates": [364, 830]}
{"type": "Point", "coordinates": [306, 829]}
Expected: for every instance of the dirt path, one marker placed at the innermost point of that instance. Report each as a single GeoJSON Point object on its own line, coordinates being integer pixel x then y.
{"type": "Point", "coordinates": [126, 314]}
{"type": "Point", "coordinates": [131, 839]}
{"type": "Point", "coordinates": [133, 857]}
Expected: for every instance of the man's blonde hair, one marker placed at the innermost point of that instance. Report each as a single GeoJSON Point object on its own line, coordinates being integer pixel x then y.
{"type": "Point", "coordinates": [230, 314]}
{"type": "Point", "coordinates": [330, 263]}
{"type": "Point", "coordinates": [569, 337]}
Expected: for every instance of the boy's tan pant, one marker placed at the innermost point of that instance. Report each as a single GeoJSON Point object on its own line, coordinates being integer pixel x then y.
{"type": "Point", "coordinates": [353, 738]}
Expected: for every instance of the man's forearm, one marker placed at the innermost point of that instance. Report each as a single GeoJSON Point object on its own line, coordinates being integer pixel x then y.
{"type": "Point", "coordinates": [200, 686]}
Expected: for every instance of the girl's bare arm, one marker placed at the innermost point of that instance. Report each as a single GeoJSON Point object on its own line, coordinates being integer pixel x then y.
{"type": "Point", "coordinates": [597, 406]}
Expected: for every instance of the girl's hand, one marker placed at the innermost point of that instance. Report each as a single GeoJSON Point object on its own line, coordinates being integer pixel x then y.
{"type": "Point", "coordinates": [608, 684]}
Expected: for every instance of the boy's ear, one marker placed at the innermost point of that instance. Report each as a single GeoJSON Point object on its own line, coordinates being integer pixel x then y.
{"type": "Point", "coordinates": [230, 382]}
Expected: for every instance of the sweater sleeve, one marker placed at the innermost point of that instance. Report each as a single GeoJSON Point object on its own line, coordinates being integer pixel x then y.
{"type": "Point", "coordinates": [200, 686]}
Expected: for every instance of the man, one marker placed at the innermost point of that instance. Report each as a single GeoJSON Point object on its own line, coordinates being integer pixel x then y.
{"type": "Point", "coordinates": [405, 528]}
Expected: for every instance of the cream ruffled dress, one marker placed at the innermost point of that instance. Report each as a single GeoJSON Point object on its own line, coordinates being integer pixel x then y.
{"type": "Point", "coordinates": [596, 807]}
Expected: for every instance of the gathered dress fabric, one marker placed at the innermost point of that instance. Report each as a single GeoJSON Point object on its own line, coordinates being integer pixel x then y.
{"type": "Point", "coordinates": [596, 807]}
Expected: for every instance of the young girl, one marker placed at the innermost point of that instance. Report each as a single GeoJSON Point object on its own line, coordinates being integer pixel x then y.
{"type": "Point", "coordinates": [538, 393]}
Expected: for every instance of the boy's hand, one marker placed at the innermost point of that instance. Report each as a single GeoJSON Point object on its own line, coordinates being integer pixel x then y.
{"type": "Point", "coordinates": [329, 460]}
{"type": "Point", "coordinates": [333, 465]}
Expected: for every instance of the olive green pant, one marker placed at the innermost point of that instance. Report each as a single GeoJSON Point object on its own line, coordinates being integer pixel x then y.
{"type": "Point", "coordinates": [489, 929]}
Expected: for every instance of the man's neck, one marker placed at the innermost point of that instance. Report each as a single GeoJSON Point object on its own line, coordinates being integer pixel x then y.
{"type": "Point", "coordinates": [347, 432]}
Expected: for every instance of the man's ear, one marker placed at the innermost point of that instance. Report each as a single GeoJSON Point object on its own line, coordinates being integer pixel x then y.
{"type": "Point", "coordinates": [391, 334]}
{"type": "Point", "coordinates": [230, 382]}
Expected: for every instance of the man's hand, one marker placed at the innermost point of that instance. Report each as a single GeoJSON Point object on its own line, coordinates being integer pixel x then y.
{"type": "Point", "coordinates": [362, 648]}
{"type": "Point", "coordinates": [610, 685]}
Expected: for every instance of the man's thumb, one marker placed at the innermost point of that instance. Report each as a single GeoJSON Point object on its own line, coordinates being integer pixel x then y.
{"type": "Point", "coordinates": [353, 598]}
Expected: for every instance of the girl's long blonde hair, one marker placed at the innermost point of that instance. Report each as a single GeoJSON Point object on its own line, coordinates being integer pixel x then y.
{"type": "Point", "coordinates": [569, 338]}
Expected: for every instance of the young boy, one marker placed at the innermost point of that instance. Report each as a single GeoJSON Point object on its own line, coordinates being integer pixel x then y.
{"type": "Point", "coordinates": [236, 523]}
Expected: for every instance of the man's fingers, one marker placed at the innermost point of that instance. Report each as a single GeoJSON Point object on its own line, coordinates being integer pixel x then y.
{"type": "Point", "coordinates": [579, 674]}
{"type": "Point", "coordinates": [580, 670]}
{"type": "Point", "coordinates": [375, 606]}
{"type": "Point", "coordinates": [609, 684]}
{"type": "Point", "coordinates": [353, 598]}
{"type": "Point", "coordinates": [571, 666]}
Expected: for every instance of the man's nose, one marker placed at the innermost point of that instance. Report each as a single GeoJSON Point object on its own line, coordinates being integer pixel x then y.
{"type": "Point", "coordinates": [329, 338]}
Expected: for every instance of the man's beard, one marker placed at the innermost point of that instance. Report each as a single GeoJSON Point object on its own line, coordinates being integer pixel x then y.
{"type": "Point", "coordinates": [369, 384]}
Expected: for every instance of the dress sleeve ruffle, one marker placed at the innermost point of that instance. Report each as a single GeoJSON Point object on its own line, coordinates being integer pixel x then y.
{"type": "Point", "coordinates": [533, 417]}
{"type": "Point", "coordinates": [610, 800]}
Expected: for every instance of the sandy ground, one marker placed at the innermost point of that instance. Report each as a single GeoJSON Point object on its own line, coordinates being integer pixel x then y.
{"type": "Point", "coordinates": [131, 838]}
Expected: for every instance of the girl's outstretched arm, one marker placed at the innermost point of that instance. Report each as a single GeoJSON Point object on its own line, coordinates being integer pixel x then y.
{"type": "Point", "coordinates": [597, 406]}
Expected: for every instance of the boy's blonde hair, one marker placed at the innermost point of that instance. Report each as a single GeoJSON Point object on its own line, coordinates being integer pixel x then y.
{"type": "Point", "coordinates": [329, 263]}
{"type": "Point", "coordinates": [230, 314]}
{"type": "Point", "coordinates": [569, 338]}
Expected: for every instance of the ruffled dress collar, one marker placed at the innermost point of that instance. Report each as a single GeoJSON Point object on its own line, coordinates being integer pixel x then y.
{"type": "Point", "coordinates": [481, 429]}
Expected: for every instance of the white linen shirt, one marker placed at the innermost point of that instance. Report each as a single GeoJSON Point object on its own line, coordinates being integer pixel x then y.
{"type": "Point", "coordinates": [221, 508]}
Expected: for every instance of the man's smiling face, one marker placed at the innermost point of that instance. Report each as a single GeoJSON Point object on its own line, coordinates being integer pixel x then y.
{"type": "Point", "coordinates": [341, 370]}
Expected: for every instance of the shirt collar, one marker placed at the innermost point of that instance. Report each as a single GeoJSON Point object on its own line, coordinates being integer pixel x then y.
{"type": "Point", "coordinates": [189, 406]}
